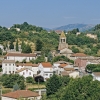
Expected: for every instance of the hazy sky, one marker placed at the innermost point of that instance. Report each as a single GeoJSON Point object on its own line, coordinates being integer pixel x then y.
{"type": "Point", "coordinates": [49, 13]}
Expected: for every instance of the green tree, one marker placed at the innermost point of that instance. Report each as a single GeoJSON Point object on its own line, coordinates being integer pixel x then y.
{"type": "Point", "coordinates": [17, 48]}
{"type": "Point", "coordinates": [22, 85]}
{"type": "Point", "coordinates": [75, 50]}
{"type": "Point", "coordinates": [82, 89]}
{"type": "Point", "coordinates": [39, 45]}
{"type": "Point", "coordinates": [0, 51]}
{"type": "Point", "coordinates": [50, 57]}
{"type": "Point", "coordinates": [40, 59]}
{"type": "Point", "coordinates": [11, 46]}
{"type": "Point", "coordinates": [29, 80]}
{"type": "Point", "coordinates": [16, 87]}
{"type": "Point", "coordinates": [52, 85]}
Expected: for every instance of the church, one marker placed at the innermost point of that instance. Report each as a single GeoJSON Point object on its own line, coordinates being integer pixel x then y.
{"type": "Point", "coordinates": [63, 46]}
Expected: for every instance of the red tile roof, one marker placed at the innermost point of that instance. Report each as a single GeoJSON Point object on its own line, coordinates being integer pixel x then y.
{"type": "Point", "coordinates": [46, 64]}
{"type": "Point", "coordinates": [21, 54]}
{"type": "Point", "coordinates": [8, 61]}
{"type": "Point", "coordinates": [27, 64]}
{"type": "Point", "coordinates": [22, 69]}
{"type": "Point", "coordinates": [78, 55]}
{"type": "Point", "coordinates": [24, 64]}
{"type": "Point", "coordinates": [62, 65]}
{"type": "Point", "coordinates": [21, 93]}
{"type": "Point", "coordinates": [69, 69]}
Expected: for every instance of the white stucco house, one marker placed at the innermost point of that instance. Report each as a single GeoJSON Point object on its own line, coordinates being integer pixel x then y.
{"type": "Point", "coordinates": [25, 72]}
{"type": "Point", "coordinates": [96, 76]}
{"type": "Point", "coordinates": [57, 64]}
{"type": "Point", "coordinates": [20, 56]}
{"type": "Point", "coordinates": [35, 68]}
{"type": "Point", "coordinates": [21, 94]}
{"type": "Point", "coordinates": [45, 69]}
{"type": "Point", "coordinates": [8, 67]}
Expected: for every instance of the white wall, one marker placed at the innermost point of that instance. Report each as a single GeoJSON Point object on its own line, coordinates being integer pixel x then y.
{"type": "Point", "coordinates": [6, 98]}
{"type": "Point", "coordinates": [6, 67]}
{"type": "Point", "coordinates": [20, 59]}
{"type": "Point", "coordinates": [19, 67]}
{"type": "Point", "coordinates": [45, 72]}
{"type": "Point", "coordinates": [26, 73]}
{"type": "Point", "coordinates": [36, 98]}
{"type": "Point", "coordinates": [35, 69]}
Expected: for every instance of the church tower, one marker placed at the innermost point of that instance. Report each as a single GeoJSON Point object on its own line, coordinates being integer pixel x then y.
{"type": "Point", "coordinates": [62, 42]}
{"type": "Point", "coordinates": [62, 38]}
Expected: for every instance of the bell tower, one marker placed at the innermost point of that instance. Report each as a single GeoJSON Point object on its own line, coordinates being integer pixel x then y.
{"type": "Point", "coordinates": [62, 38]}
{"type": "Point", "coordinates": [62, 42]}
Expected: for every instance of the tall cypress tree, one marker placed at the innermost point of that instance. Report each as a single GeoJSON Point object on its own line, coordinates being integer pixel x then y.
{"type": "Point", "coordinates": [17, 48]}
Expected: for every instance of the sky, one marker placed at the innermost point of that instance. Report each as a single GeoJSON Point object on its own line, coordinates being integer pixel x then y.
{"type": "Point", "coordinates": [49, 13]}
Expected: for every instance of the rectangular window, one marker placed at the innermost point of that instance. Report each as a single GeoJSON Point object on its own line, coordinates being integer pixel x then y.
{"type": "Point", "coordinates": [23, 73]}
{"type": "Point", "coordinates": [46, 74]}
{"type": "Point", "coordinates": [29, 73]}
{"type": "Point", "coordinates": [9, 64]}
{"type": "Point", "coordinates": [5, 64]}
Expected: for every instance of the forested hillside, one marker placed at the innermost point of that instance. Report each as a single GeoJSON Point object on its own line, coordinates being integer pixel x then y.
{"type": "Point", "coordinates": [39, 39]}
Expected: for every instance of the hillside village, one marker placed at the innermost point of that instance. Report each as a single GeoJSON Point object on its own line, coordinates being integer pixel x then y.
{"type": "Point", "coordinates": [36, 59]}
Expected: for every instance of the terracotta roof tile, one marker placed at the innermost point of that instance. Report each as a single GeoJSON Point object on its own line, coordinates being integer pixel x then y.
{"type": "Point", "coordinates": [21, 54]}
{"type": "Point", "coordinates": [22, 69]}
{"type": "Point", "coordinates": [8, 61]}
{"type": "Point", "coordinates": [46, 64]}
{"type": "Point", "coordinates": [69, 69]}
{"type": "Point", "coordinates": [62, 65]}
{"type": "Point", "coordinates": [64, 73]}
{"type": "Point", "coordinates": [24, 64]}
{"type": "Point", "coordinates": [21, 93]}
{"type": "Point", "coordinates": [79, 55]}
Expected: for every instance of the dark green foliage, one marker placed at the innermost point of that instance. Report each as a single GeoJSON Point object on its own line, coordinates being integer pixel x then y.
{"type": "Point", "coordinates": [97, 27]}
{"type": "Point", "coordinates": [93, 67]}
{"type": "Point", "coordinates": [40, 59]}
{"type": "Point", "coordinates": [17, 48]}
{"type": "Point", "coordinates": [74, 31]}
{"type": "Point", "coordinates": [75, 50]}
{"type": "Point", "coordinates": [26, 27]}
{"type": "Point", "coordinates": [73, 39]}
{"type": "Point", "coordinates": [22, 85]}
{"type": "Point", "coordinates": [4, 36]}
{"type": "Point", "coordinates": [82, 89]}
{"type": "Point", "coordinates": [29, 80]}
{"type": "Point", "coordinates": [50, 57]}
{"type": "Point", "coordinates": [11, 46]}
{"type": "Point", "coordinates": [10, 80]}
{"type": "Point", "coordinates": [39, 79]}
{"type": "Point", "coordinates": [16, 87]}
{"type": "Point", "coordinates": [62, 58]}
{"type": "Point", "coordinates": [39, 45]}
{"type": "Point", "coordinates": [0, 51]}
{"type": "Point", "coordinates": [25, 48]}
{"type": "Point", "coordinates": [52, 85]}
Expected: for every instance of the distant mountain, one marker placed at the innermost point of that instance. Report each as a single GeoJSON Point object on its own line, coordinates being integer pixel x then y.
{"type": "Point", "coordinates": [46, 29]}
{"type": "Point", "coordinates": [81, 27]}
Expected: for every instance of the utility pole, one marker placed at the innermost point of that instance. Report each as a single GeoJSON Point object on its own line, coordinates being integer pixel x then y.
{"type": "Point", "coordinates": [0, 92]}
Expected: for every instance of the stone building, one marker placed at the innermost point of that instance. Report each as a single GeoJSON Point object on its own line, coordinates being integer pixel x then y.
{"type": "Point", "coordinates": [63, 47]}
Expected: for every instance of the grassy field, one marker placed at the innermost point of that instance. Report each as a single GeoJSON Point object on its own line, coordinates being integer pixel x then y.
{"type": "Point", "coordinates": [28, 86]}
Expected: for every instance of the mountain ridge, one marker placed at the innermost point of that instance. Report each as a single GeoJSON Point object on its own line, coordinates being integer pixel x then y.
{"type": "Point", "coordinates": [81, 27]}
